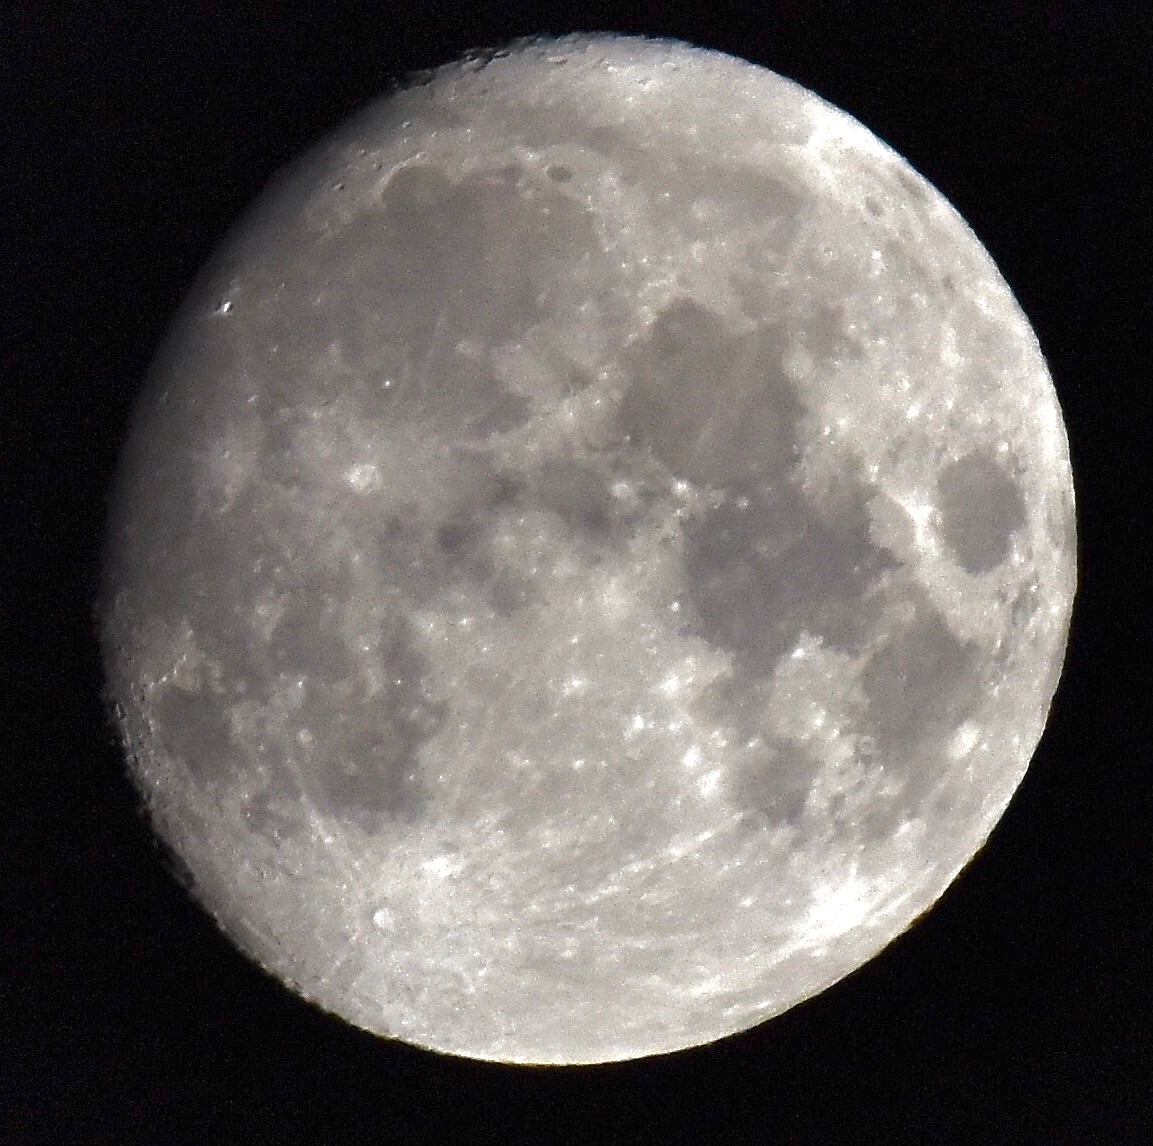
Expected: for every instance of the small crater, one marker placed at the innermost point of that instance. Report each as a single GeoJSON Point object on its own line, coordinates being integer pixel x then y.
{"type": "Point", "coordinates": [559, 173]}
{"type": "Point", "coordinates": [981, 509]}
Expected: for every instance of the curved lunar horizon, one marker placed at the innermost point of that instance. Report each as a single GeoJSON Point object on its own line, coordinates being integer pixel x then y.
{"type": "Point", "coordinates": [592, 559]}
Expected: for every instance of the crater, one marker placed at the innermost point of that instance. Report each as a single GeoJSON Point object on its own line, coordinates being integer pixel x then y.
{"type": "Point", "coordinates": [911, 183]}
{"type": "Point", "coordinates": [714, 407]}
{"type": "Point", "coordinates": [981, 508]}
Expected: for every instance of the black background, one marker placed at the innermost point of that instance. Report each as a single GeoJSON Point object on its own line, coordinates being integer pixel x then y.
{"type": "Point", "coordinates": [1017, 1010]}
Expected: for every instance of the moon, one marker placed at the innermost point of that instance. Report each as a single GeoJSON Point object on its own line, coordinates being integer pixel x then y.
{"type": "Point", "coordinates": [592, 559]}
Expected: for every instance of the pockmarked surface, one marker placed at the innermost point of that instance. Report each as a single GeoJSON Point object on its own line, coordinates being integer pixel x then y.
{"type": "Point", "coordinates": [593, 557]}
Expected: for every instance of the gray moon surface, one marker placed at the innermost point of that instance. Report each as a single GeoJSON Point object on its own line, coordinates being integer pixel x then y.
{"type": "Point", "coordinates": [592, 559]}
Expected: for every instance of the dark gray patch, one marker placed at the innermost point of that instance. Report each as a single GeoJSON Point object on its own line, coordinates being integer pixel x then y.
{"type": "Point", "coordinates": [436, 265]}
{"type": "Point", "coordinates": [411, 561]}
{"type": "Point", "coordinates": [307, 639]}
{"type": "Point", "coordinates": [219, 574]}
{"type": "Point", "coordinates": [919, 686]}
{"type": "Point", "coordinates": [364, 749]}
{"type": "Point", "coordinates": [559, 173]}
{"type": "Point", "coordinates": [741, 194]}
{"type": "Point", "coordinates": [460, 537]}
{"type": "Point", "coordinates": [577, 494]}
{"type": "Point", "coordinates": [825, 337]}
{"type": "Point", "coordinates": [508, 594]}
{"type": "Point", "coordinates": [280, 460]}
{"type": "Point", "coordinates": [873, 206]}
{"type": "Point", "coordinates": [771, 785]}
{"type": "Point", "coordinates": [460, 261]}
{"type": "Point", "coordinates": [276, 819]}
{"type": "Point", "coordinates": [912, 184]}
{"type": "Point", "coordinates": [981, 508]}
{"type": "Point", "coordinates": [194, 728]}
{"type": "Point", "coordinates": [764, 566]}
{"type": "Point", "coordinates": [714, 407]}
{"type": "Point", "coordinates": [423, 558]}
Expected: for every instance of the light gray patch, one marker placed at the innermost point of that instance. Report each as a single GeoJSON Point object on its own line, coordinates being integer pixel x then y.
{"type": "Point", "coordinates": [981, 507]}
{"type": "Point", "coordinates": [763, 567]}
{"type": "Point", "coordinates": [1061, 522]}
{"type": "Point", "coordinates": [714, 407]}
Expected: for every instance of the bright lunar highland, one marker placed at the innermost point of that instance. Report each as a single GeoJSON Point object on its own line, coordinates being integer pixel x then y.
{"type": "Point", "coordinates": [592, 559]}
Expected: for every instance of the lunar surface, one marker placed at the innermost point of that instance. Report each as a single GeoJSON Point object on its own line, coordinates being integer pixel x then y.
{"type": "Point", "coordinates": [592, 559]}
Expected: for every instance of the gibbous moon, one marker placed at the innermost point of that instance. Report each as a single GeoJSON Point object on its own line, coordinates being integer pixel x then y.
{"type": "Point", "coordinates": [592, 559]}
